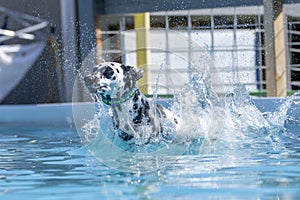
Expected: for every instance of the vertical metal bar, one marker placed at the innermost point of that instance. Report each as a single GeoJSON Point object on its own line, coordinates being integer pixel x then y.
{"type": "Point", "coordinates": [189, 45]}
{"type": "Point", "coordinates": [288, 56]}
{"type": "Point", "coordinates": [290, 25]}
{"type": "Point", "coordinates": [69, 48]}
{"type": "Point", "coordinates": [235, 66]}
{"type": "Point", "coordinates": [122, 36]}
{"type": "Point", "coordinates": [260, 66]}
{"type": "Point", "coordinates": [212, 27]}
{"type": "Point", "coordinates": [167, 49]}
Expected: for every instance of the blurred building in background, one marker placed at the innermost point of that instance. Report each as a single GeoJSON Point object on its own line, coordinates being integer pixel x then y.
{"type": "Point", "coordinates": [233, 32]}
{"type": "Point", "coordinates": [51, 77]}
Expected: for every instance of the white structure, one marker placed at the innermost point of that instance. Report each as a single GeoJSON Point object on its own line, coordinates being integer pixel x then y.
{"type": "Point", "coordinates": [17, 59]}
{"type": "Point", "coordinates": [231, 36]}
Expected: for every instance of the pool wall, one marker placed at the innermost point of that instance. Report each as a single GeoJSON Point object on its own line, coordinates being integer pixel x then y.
{"type": "Point", "coordinates": [62, 114]}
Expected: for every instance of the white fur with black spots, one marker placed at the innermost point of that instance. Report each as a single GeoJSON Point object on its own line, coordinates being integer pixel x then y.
{"type": "Point", "coordinates": [137, 120]}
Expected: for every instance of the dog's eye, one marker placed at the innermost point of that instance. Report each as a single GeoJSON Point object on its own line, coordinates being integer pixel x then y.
{"type": "Point", "coordinates": [113, 78]}
{"type": "Point", "coordinates": [108, 73]}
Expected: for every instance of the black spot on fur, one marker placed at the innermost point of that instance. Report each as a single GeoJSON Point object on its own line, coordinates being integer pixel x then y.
{"type": "Point", "coordinates": [125, 68]}
{"type": "Point", "coordinates": [125, 136]}
{"type": "Point", "coordinates": [175, 120]}
{"type": "Point", "coordinates": [147, 106]}
{"type": "Point", "coordinates": [135, 106]}
{"type": "Point", "coordinates": [148, 141]}
{"type": "Point", "coordinates": [138, 118]}
{"type": "Point", "coordinates": [136, 96]}
{"type": "Point", "coordinates": [161, 110]}
{"type": "Point", "coordinates": [149, 121]}
{"type": "Point", "coordinates": [108, 73]}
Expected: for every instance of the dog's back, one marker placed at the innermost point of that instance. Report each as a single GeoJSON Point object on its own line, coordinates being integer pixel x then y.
{"type": "Point", "coordinates": [144, 120]}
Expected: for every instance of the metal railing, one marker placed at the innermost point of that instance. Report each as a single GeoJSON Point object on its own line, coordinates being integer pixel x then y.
{"type": "Point", "coordinates": [293, 67]}
{"type": "Point", "coordinates": [237, 60]}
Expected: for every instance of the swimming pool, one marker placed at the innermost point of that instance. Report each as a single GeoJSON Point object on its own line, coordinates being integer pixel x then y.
{"type": "Point", "coordinates": [41, 157]}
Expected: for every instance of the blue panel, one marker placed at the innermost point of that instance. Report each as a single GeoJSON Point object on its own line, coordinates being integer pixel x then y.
{"type": "Point", "coordinates": [134, 6]}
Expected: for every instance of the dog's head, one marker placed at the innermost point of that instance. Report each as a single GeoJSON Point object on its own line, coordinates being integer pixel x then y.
{"type": "Point", "coordinates": [113, 80]}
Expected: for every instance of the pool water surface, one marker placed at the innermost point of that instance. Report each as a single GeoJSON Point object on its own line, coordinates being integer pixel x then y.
{"type": "Point", "coordinates": [50, 162]}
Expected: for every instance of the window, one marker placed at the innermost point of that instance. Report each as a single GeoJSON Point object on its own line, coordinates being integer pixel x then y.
{"type": "Point", "coordinates": [178, 22]}
{"type": "Point", "coordinates": [223, 22]}
{"type": "Point", "coordinates": [158, 22]}
{"type": "Point", "coordinates": [201, 22]}
{"type": "Point", "coordinates": [247, 21]}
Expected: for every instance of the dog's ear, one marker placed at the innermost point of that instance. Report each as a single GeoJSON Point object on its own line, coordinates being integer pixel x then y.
{"type": "Point", "coordinates": [126, 68]}
{"type": "Point", "coordinates": [136, 73]}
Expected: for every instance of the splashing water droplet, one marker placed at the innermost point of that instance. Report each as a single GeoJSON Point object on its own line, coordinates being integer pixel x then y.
{"type": "Point", "coordinates": [211, 120]}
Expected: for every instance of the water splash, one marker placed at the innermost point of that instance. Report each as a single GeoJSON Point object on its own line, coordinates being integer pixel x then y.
{"type": "Point", "coordinates": [213, 120]}
{"type": "Point", "coordinates": [231, 118]}
{"type": "Point", "coordinates": [288, 117]}
{"type": "Point", "coordinates": [211, 123]}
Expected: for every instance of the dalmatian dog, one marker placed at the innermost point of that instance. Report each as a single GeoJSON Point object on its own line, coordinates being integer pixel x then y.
{"type": "Point", "coordinates": [136, 119]}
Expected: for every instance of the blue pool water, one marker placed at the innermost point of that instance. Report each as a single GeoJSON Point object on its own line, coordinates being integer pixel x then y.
{"type": "Point", "coordinates": [42, 157]}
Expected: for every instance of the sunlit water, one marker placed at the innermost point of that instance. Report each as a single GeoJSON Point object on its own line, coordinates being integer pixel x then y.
{"type": "Point", "coordinates": [245, 154]}
{"type": "Point", "coordinates": [49, 163]}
